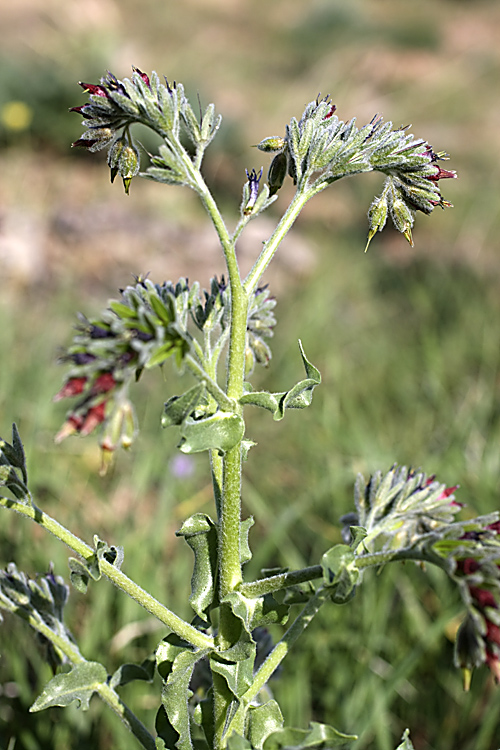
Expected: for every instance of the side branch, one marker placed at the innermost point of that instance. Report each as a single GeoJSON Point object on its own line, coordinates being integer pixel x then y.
{"type": "Point", "coordinates": [142, 597]}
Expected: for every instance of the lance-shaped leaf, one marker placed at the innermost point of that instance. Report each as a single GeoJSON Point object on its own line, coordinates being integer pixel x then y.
{"type": "Point", "coordinates": [297, 397]}
{"type": "Point", "coordinates": [178, 408]}
{"type": "Point", "coordinates": [340, 572]}
{"type": "Point", "coordinates": [220, 432]}
{"type": "Point", "coordinates": [77, 685]}
{"type": "Point", "coordinates": [82, 571]}
{"type": "Point", "coordinates": [175, 661]}
{"type": "Point", "coordinates": [317, 736]}
{"type": "Point", "coordinates": [200, 533]}
{"type": "Point", "coordinates": [129, 672]}
{"type": "Point", "coordinates": [237, 674]}
{"type": "Point", "coordinates": [258, 611]}
{"type": "Point", "coordinates": [13, 473]}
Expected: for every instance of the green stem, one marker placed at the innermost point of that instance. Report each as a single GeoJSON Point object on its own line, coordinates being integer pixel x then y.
{"type": "Point", "coordinates": [281, 649]}
{"type": "Point", "coordinates": [220, 397]}
{"type": "Point", "coordinates": [142, 597]}
{"type": "Point", "coordinates": [264, 586]}
{"type": "Point", "coordinates": [298, 202]}
{"type": "Point", "coordinates": [109, 696]}
{"type": "Point", "coordinates": [230, 501]}
{"type": "Point", "coordinates": [267, 669]}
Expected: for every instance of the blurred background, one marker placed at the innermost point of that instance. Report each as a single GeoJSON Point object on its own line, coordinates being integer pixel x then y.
{"type": "Point", "coordinates": [406, 338]}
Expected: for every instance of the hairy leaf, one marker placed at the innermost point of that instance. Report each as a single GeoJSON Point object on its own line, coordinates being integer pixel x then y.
{"type": "Point", "coordinates": [77, 685]}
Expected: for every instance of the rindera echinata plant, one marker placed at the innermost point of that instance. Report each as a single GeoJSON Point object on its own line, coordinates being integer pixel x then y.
{"type": "Point", "coordinates": [216, 668]}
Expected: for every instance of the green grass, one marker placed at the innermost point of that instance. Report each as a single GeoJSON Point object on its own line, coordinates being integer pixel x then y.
{"type": "Point", "coordinates": [410, 365]}
{"type": "Point", "coordinates": [406, 340]}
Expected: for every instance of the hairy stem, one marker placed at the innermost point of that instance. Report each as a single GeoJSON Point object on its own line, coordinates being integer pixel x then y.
{"type": "Point", "coordinates": [298, 202]}
{"type": "Point", "coordinates": [104, 690]}
{"type": "Point", "coordinates": [264, 586]}
{"type": "Point", "coordinates": [121, 581]}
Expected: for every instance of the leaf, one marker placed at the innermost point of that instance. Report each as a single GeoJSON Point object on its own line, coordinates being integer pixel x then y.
{"type": "Point", "coordinates": [77, 685]}
{"type": "Point", "coordinates": [161, 354]}
{"type": "Point", "coordinates": [112, 554]}
{"type": "Point", "coordinates": [122, 310]}
{"type": "Point", "coordinates": [245, 551]}
{"type": "Point", "coordinates": [200, 533]}
{"type": "Point", "coordinates": [176, 661]}
{"type": "Point", "coordinates": [178, 408]}
{"type": "Point", "coordinates": [298, 397]}
{"type": "Point", "coordinates": [263, 721]}
{"type": "Point", "coordinates": [129, 672]}
{"type": "Point", "coordinates": [237, 742]}
{"type": "Point", "coordinates": [221, 432]}
{"type": "Point", "coordinates": [238, 675]}
{"type": "Point", "coordinates": [82, 571]}
{"type": "Point", "coordinates": [258, 611]}
{"type": "Point", "coordinates": [340, 572]}
{"type": "Point", "coordinates": [317, 736]}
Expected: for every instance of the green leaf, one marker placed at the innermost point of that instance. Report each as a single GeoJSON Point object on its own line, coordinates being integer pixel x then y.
{"type": "Point", "coordinates": [112, 554]}
{"type": "Point", "coordinates": [129, 672]}
{"type": "Point", "coordinates": [175, 661]}
{"type": "Point", "coordinates": [82, 571]}
{"type": "Point", "coordinates": [258, 611]}
{"type": "Point", "coordinates": [200, 533]}
{"type": "Point", "coordinates": [122, 310]}
{"type": "Point", "coordinates": [160, 309]}
{"type": "Point", "coordinates": [77, 685]}
{"type": "Point", "coordinates": [161, 354]}
{"type": "Point", "coordinates": [237, 674]}
{"type": "Point", "coordinates": [298, 397]}
{"type": "Point", "coordinates": [178, 408]}
{"type": "Point", "coordinates": [221, 432]}
{"type": "Point", "coordinates": [245, 551]}
{"type": "Point", "coordinates": [340, 572]}
{"type": "Point", "coordinates": [237, 742]}
{"type": "Point", "coordinates": [263, 721]}
{"type": "Point", "coordinates": [317, 736]}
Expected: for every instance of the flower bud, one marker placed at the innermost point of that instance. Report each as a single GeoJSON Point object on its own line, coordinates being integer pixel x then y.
{"type": "Point", "coordinates": [377, 216]}
{"type": "Point", "coordinates": [273, 143]}
{"type": "Point", "coordinates": [72, 387]}
{"type": "Point", "coordinates": [277, 172]}
{"type": "Point", "coordinates": [402, 218]}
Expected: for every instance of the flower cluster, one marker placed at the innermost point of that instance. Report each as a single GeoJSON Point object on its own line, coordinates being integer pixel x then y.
{"type": "Point", "coordinates": [260, 324]}
{"type": "Point", "coordinates": [478, 574]}
{"type": "Point", "coordinates": [320, 149]}
{"type": "Point", "coordinates": [407, 190]}
{"type": "Point", "coordinates": [115, 105]}
{"type": "Point", "coordinates": [140, 331]}
{"type": "Point", "coordinates": [399, 508]}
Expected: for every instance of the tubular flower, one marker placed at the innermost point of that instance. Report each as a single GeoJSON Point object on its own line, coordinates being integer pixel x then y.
{"type": "Point", "coordinates": [478, 639]}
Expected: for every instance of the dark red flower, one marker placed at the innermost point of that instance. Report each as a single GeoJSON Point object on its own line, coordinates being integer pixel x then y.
{"type": "Point", "coordinates": [442, 174]}
{"type": "Point", "coordinates": [94, 88]}
{"type": "Point", "coordinates": [468, 566]}
{"type": "Point", "coordinates": [482, 597]}
{"type": "Point", "coordinates": [85, 142]}
{"type": "Point", "coordinates": [144, 76]}
{"type": "Point", "coordinates": [72, 387]}
{"type": "Point", "coordinates": [493, 663]}
{"type": "Point", "coordinates": [95, 415]}
{"type": "Point", "coordinates": [103, 383]}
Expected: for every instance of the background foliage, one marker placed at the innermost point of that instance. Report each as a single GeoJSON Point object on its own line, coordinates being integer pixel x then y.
{"type": "Point", "coordinates": [406, 339]}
